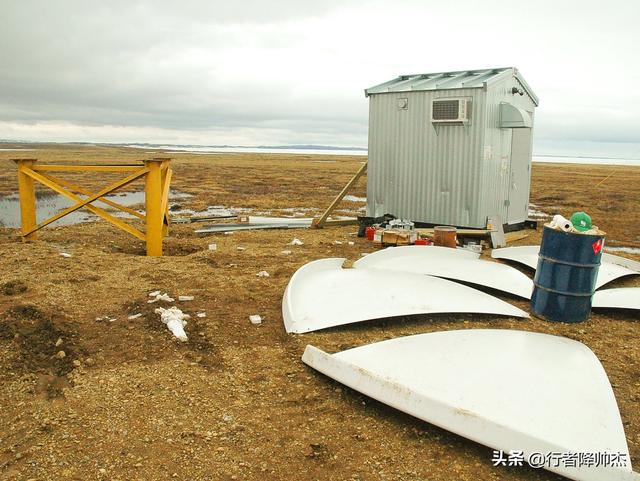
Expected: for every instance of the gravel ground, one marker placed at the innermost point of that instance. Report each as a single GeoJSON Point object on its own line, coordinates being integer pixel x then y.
{"type": "Point", "coordinates": [87, 398]}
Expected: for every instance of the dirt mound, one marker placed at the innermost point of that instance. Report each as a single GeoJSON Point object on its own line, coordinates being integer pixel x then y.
{"type": "Point", "coordinates": [46, 345]}
{"type": "Point", "coordinates": [12, 288]}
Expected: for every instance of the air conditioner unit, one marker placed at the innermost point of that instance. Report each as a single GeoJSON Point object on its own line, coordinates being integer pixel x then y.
{"type": "Point", "coordinates": [449, 110]}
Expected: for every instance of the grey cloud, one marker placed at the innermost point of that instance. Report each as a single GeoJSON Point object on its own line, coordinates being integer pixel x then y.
{"type": "Point", "coordinates": [187, 65]}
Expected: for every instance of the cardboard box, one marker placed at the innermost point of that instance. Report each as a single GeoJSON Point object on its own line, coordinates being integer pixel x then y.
{"type": "Point", "coordinates": [398, 237]}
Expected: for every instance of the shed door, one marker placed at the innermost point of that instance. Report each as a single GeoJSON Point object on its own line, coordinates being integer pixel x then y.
{"type": "Point", "coordinates": [520, 176]}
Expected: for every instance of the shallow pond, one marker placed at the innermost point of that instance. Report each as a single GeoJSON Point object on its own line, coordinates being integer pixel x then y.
{"type": "Point", "coordinates": [51, 204]}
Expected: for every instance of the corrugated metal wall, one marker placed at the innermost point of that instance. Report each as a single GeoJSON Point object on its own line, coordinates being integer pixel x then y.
{"type": "Point", "coordinates": [440, 174]}
{"type": "Point", "coordinates": [422, 171]}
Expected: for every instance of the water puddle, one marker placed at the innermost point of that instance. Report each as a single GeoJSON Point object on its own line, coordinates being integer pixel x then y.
{"type": "Point", "coordinates": [48, 205]}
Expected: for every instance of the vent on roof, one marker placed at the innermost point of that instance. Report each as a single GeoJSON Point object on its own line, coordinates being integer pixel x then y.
{"type": "Point", "coordinates": [450, 110]}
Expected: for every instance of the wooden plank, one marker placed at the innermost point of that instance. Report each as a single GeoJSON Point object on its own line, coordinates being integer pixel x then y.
{"type": "Point", "coordinates": [319, 223]}
{"type": "Point", "coordinates": [339, 222]}
{"type": "Point", "coordinates": [516, 236]}
{"type": "Point", "coordinates": [87, 168]}
{"type": "Point", "coordinates": [460, 232]}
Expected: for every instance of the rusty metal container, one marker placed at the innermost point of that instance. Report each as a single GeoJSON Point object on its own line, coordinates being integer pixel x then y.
{"type": "Point", "coordinates": [445, 236]}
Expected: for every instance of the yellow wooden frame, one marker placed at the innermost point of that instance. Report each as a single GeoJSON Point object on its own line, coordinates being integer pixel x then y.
{"type": "Point", "coordinates": [157, 174]}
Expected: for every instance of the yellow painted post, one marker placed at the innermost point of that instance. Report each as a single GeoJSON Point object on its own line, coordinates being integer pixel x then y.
{"type": "Point", "coordinates": [165, 214]}
{"type": "Point", "coordinates": [153, 201]}
{"type": "Point", "coordinates": [27, 193]}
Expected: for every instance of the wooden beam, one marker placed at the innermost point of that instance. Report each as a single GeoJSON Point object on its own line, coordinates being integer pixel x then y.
{"type": "Point", "coordinates": [340, 222]}
{"type": "Point", "coordinates": [27, 193]}
{"type": "Point", "coordinates": [320, 222]}
{"type": "Point", "coordinates": [462, 232]}
{"type": "Point", "coordinates": [82, 190]}
{"type": "Point", "coordinates": [87, 168]}
{"type": "Point", "coordinates": [82, 202]}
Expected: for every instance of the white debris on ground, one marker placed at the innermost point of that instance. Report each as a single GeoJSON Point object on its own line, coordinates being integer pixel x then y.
{"type": "Point", "coordinates": [255, 319]}
{"type": "Point", "coordinates": [628, 250]}
{"type": "Point", "coordinates": [201, 314]}
{"type": "Point", "coordinates": [185, 298]}
{"type": "Point", "coordinates": [285, 252]}
{"type": "Point", "coordinates": [262, 274]}
{"type": "Point", "coordinates": [296, 242]}
{"type": "Point", "coordinates": [351, 243]}
{"type": "Point", "coordinates": [66, 255]}
{"type": "Point", "coordinates": [240, 248]}
{"type": "Point", "coordinates": [159, 297]}
{"type": "Point", "coordinates": [106, 318]}
{"type": "Point", "coordinates": [353, 198]}
{"type": "Point", "coordinates": [337, 242]}
{"type": "Point", "coordinates": [533, 212]}
{"type": "Point", "coordinates": [228, 232]}
{"type": "Point", "coordinates": [213, 247]}
{"type": "Point", "coordinates": [134, 316]}
{"type": "Point", "coordinates": [175, 320]}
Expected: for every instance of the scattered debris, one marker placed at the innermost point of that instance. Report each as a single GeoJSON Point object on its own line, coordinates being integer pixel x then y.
{"type": "Point", "coordinates": [134, 316]}
{"type": "Point", "coordinates": [255, 319]}
{"type": "Point", "coordinates": [201, 314]}
{"type": "Point", "coordinates": [628, 250]}
{"type": "Point", "coordinates": [213, 247]}
{"type": "Point", "coordinates": [559, 222]}
{"type": "Point", "coordinates": [59, 342]}
{"type": "Point", "coordinates": [285, 252]}
{"type": "Point", "coordinates": [175, 320]}
{"type": "Point", "coordinates": [61, 354]}
{"type": "Point", "coordinates": [65, 255]}
{"type": "Point", "coordinates": [278, 221]}
{"type": "Point", "coordinates": [240, 248]}
{"type": "Point", "coordinates": [106, 318]}
{"type": "Point", "coordinates": [262, 274]}
{"type": "Point", "coordinates": [296, 242]}
{"type": "Point", "coordinates": [351, 243]}
{"type": "Point", "coordinates": [154, 293]}
{"type": "Point", "coordinates": [227, 232]}
{"type": "Point", "coordinates": [185, 298]}
{"type": "Point", "coordinates": [160, 297]}
{"type": "Point", "coordinates": [558, 414]}
{"type": "Point", "coordinates": [337, 242]}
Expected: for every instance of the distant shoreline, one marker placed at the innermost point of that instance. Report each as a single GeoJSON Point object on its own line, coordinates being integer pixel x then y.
{"type": "Point", "coordinates": [296, 149]}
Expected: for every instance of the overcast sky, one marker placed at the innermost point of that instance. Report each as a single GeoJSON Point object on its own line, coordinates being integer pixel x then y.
{"type": "Point", "coordinates": [251, 72]}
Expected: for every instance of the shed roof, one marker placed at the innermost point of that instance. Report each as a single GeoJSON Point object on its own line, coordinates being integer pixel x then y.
{"type": "Point", "coordinates": [463, 79]}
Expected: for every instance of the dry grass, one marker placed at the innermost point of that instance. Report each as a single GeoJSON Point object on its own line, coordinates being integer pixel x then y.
{"type": "Point", "coordinates": [235, 402]}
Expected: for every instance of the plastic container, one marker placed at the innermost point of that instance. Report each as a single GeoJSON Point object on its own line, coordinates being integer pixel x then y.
{"type": "Point", "coordinates": [566, 275]}
{"type": "Point", "coordinates": [369, 232]}
{"type": "Point", "coordinates": [445, 236]}
{"type": "Point", "coordinates": [422, 242]}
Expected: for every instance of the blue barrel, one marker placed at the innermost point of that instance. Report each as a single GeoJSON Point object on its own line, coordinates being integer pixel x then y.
{"type": "Point", "coordinates": [566, 275]}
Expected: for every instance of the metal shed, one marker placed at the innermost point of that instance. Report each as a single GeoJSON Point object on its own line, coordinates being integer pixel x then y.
{"type": "Point", "coordinates": [451, 147]}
